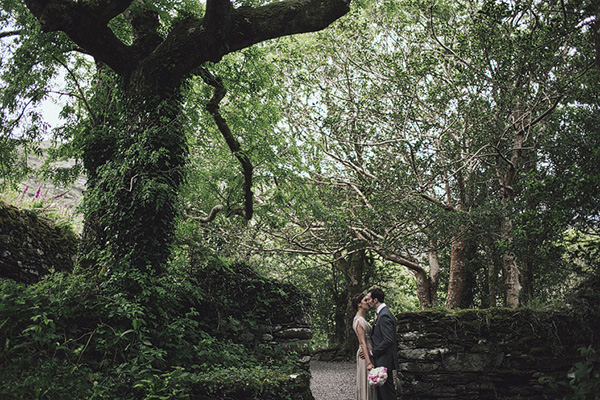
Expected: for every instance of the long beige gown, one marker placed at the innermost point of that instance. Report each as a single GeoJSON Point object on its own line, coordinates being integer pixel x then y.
{"type": "Point", "coordinates": [364, 391]}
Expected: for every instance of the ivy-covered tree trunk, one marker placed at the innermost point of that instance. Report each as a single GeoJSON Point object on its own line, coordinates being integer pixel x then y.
{"type": "Point", "coordinates": [133, 203]}
{"type": "Point", "coordinates": [135, 159]}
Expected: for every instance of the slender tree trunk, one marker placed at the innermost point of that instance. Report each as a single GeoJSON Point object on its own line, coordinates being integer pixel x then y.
{"type": "Point", "coordinates": [434, 272]}
{"type": "Point", "coordinates": [470, 284]}
{"type": "Point", "coordinates": [353, 267]}
{"type": "Point", "coordinates": [457, 272]}
{"type": "Point", "coordinates": [510, 269]}
{"type": "Point", "coordinates": [338, 300]}
{"type": "Point", "coordinates": [527, 283]}
{"type": "Point", "coordinates": [457, 251]}
{"type": "Point", "coordinates": [507, 177]}
{"type": "Point", "coordinates": [491, 276]}
{"type": "Point", "coordinates": [423, 289]}
{"type": "Point", "coordinates": [597, 34]}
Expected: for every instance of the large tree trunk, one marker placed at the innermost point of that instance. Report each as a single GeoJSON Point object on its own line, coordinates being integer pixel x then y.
{"type": "Point", "coordinates": [137, 192]}
{"type": "Point", "coordinates": [135, 160]}
{"type": "Point", "coordinates": [134, 166]}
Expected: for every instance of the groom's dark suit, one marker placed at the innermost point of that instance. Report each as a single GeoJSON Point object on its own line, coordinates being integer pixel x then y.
{"type": "Point", "coordinates": [385, 351]}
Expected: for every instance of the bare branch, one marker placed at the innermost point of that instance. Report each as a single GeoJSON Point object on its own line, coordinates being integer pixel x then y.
{"type": "Point", "coordinates": [447, 207]}
{"type": "Point", "coordinates": [81, 96]}
{"type": "Point", "coordinates": [10, 33]}
{"type": "Point", "coordinates": [368, 237]}
{"type": "Point", "coordinates": [247, 168]}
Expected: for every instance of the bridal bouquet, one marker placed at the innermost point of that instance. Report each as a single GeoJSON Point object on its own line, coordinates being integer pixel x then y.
{"type": "Point", "coordinates": [377, 376]}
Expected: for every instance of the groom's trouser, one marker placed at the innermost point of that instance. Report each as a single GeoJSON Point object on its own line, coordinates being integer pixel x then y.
{"type": "Point", "coordinates": [388, 390]}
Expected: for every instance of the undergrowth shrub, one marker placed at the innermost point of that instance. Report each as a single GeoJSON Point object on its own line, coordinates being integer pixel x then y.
{"type": "Point", "coordinates": [583, 381]}
{"type": "Point", "coordinates": [76, 337]}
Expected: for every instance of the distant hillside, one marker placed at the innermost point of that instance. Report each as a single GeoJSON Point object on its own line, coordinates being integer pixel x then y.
{"type": "Point", "coordinates": [62, 200]}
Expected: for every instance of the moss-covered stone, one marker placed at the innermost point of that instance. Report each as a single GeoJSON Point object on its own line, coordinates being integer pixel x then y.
{"type": "Point", "coordinates": [494, 353]}
{"type": "Point", "coordinates": [30, 247]}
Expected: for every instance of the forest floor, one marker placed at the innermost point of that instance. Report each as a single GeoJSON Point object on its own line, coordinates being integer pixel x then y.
{"type": "Point", "coordinates": [333, 380]}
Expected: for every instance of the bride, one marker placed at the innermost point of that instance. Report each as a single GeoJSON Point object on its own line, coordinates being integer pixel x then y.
{"type": "Point", "coordinates": [364, 391]}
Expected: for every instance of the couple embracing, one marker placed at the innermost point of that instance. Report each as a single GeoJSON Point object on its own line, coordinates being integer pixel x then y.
{"type": "Point", "coordinates": [377, 345]}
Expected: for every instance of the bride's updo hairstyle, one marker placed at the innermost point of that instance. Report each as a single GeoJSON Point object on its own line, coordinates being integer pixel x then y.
{"type": "Point", "coordinates": [356, 300]}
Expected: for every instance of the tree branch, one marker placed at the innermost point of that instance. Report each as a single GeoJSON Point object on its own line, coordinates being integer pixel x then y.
{"type": "Point", "coordinates": [10, 33]}
{"type": "Point", "coordinates": [81, 96]}
{"type": "Point", "coordinates": [247, 168]}
{"type": "Point", "coordinates": [366, 236]}
{"type": "Point", "coordinates": [194, 41]}
{"type": "Point", "coordinates": [254, 25]}
{"type": "Point", "coordinates": [145, 24]}
{"type": "Point", "coordinates": [191, 42]}
{"type": "Point", "coordinates": [217, 15]}
{"type": "Point", "coordinates": [86, 24]}
{"type": "Point", "coordinates": [433, 200]}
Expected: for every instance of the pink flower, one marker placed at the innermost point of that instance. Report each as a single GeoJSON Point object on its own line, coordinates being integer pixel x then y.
{"type": "Point", "coordinates": [377, 376]}
{"type": "Point", "coordinates": [39, 191]}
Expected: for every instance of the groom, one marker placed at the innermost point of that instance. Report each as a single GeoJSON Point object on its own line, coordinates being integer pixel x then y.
{"type": "Point", "coordinates": [385, 349]}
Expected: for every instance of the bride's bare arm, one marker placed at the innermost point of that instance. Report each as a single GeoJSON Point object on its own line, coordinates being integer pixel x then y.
{"type": "Point", "coordinates": [360, 332]}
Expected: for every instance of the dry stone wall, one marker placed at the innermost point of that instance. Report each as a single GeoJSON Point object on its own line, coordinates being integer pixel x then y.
{"type": "Point", "coordinates": [254, 310]}
{"type": "Point", "coordinates": [489, 354]}
{"type": "Point", "coordinates": [31, 247]}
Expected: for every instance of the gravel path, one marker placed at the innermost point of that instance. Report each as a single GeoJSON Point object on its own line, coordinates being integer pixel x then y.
{"type": "Point", "coordinates": [333, 380]}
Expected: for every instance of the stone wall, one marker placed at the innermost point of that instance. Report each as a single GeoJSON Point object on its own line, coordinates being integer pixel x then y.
{"type": "Point", "coordinates": [489, 354]}
{"type": "Point", "coordinates": [254, 310]}
{"type": "Point", "coordinates": [292, 335]}
{"type": "Point", "coordinates": [31, 247]}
